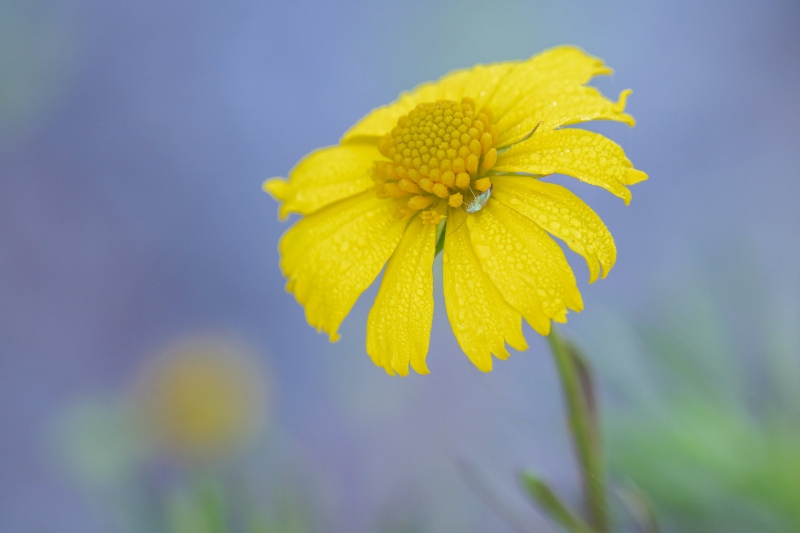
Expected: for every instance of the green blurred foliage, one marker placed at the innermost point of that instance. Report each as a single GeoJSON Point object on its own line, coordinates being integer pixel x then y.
{"type": "Point", "coordinates": [706, 421]}
{"type": "Point", "coordinates": [114, 465]}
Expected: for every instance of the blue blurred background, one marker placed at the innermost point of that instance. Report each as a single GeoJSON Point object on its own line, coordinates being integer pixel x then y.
{"type": "Point", "coordinates": [134, 138]}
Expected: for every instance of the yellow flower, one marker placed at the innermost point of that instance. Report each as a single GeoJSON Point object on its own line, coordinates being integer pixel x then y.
{"type": "Point", "coordinates": [202, 398]}
{"type": "Point", "coordinates": [462, 153]}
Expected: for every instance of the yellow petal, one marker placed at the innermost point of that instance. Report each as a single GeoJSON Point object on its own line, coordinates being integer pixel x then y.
{"type": "Point", "coordinates": [477, 83]}
{"type": "Point", "coordinates": [480, 317]}
{"type": "Point", "coordinates": [562, 214]}
{"type": "Point", "coordinates": [324, 177]}
{"type": "Point", "coordinates": [562, 65]}
{"type": "Point", "coordinates": [399, 324]}
{"type": "Point", "coordinates": [527, 266]}
{"type": "Point", "coordinates": [586, 155]}
{"type": "Point", "coordinates": [559, 105]}
{"type": "Point", "coordinates": [333, 255]}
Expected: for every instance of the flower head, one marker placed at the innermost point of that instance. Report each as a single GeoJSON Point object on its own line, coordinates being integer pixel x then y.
{"type": "Point", "coordinates": [202, 398]}
{"type": "Point", "coordinates": [458, 161]}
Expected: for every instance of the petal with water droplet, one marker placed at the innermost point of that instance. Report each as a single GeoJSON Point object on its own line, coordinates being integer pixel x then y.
{"type": "Point", "coordinates": [323, 177]}
{"type": "Point", "coordinates": [562, 214]}
{"type": "Point", "coordinates": [399, 324]}
{"type": "Point", "coordinates": [527, 266]}
{"type": "Point", "coordinates": [481, 319]}
{"type": "Point", "coordinates": [576, 153]}
{"type": "Point", "coordinates": [333, 255]}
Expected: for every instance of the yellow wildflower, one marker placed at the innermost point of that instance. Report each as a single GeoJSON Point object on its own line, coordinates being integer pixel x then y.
{"type": "Point", "coordinates": [461, 155]}
{"type": "Point", "coordinates": [202, 398]}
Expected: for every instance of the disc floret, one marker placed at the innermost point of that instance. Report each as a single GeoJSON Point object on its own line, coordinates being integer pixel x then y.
{"type": "Point", "coordinates": [437, 155]}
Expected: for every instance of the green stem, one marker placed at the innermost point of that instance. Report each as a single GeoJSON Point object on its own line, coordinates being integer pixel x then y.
{"type": "Point", "coordinates": [583, 427]}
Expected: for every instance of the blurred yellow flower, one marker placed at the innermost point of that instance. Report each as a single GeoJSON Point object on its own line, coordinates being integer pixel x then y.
{"type": "Point", "coordinates": [201, 398]}
{"type": "Point", "coordinates": [458, 161]}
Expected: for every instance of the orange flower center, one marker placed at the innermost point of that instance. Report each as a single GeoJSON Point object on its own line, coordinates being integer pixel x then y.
{"type": "Point", "coordinates": [438, 155]}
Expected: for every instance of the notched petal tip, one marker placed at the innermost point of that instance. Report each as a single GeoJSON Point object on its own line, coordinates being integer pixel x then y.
{"type": "Point", "coordinates": [484, 365]}
{"type": "Point", "coordinates": [398, 368]}
{"type": "Point", "coordinates": [281, 191]}
{"type": "Point", "coordinates": [625, 195]}
{"type": "Point", "coordinates": [622, 100]}
{"type": "Point", "coordinates": [542, 328]}
{"type": "Point", "coordinates": [420, 368]}
{"type": "Point", "coordinates": [619, 107]}
{"type": "Point", "coordinates": [333, 334]}
{"type": "Point", "coordinates": [634, 176]}
{"type": "Point", "coordinates": [599, 66]}
{"type": "Point", "coordinates": [605, 269]}
{"type": "Point", "coordinates": [599, 271]}
{"type": "Point", "coordinates": [520, 344]}
{"type": "Point", "coordinates": [278, 188]}
{"type": "Point", "coordinates": [313, 317]}
{"type": "Point", "coordinates": [576, 303]}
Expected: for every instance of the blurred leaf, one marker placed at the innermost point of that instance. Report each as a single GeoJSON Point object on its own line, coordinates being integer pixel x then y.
{"type": "Point", "coordinates": [546, 499]}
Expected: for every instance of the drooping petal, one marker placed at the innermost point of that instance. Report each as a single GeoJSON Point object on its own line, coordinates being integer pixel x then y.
{"type": "Point", "coordinates": [333, 255]}
{"type": "Point", "coordinates": [527, 266]}
{"type": "Point", "coordinates": [399, 324]}
{"type": "Point", "coordinates": [559, 105]}
{"type": "Point", "coordinates": [562, 214]}
{"type": "Point", "coordinates": [323, 177]}
{"type": "Point", "coordinates": [586, 155]}
{"type": "Point", "coordinates": [562, 65]}
{"type": "Point", "coordinates": [477, 83]}
{"type": "Point", "coordinates": [481, 319]}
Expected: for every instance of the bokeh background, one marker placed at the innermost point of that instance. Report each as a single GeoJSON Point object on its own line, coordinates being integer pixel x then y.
{"type": "Point", "coordinates": [138, 263]}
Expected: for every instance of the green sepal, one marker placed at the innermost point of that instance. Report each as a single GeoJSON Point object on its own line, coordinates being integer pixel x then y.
{"type": "Point", "coordinates": [440, 236]}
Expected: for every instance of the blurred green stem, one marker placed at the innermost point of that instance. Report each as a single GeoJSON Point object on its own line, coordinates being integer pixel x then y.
{"type": "Point", "coordinates": [581, 410]}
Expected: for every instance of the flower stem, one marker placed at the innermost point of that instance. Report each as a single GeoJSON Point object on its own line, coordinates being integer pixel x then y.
{"type": "Point", "coordinates": [583, 424]}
